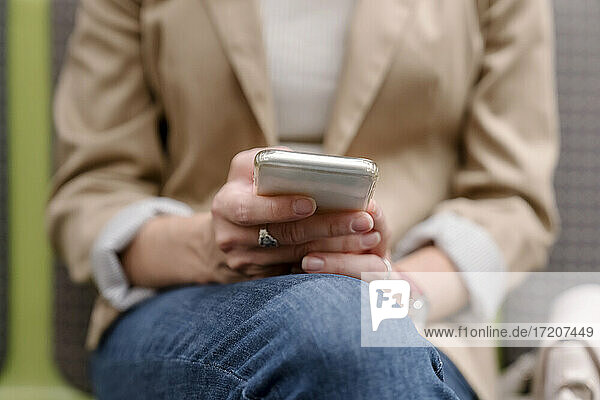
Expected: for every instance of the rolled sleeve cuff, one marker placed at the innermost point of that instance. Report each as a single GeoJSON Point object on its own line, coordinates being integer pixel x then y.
{"type": "Point", "coordinates": [115, 237]}
{"type": "Point", "coordinates": [472, 250]}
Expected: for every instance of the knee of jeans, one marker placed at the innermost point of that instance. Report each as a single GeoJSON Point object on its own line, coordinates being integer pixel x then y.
{"type": "Point", "coordinates": [325, 303]}
{"type": "Point", "coordinates": [324, 315]}
{"type": "Point", "coordinates": [336, 305]}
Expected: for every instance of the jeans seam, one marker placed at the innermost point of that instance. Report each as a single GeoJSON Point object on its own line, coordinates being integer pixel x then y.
{"type": "Point", "coordinates": [438, 366]}
{"type": "Point", "coordinates": [223, 369]}
{"type": "Point", "coordinates": [182, 359]}
{"type": "Point", "coordinates": [244, 381]}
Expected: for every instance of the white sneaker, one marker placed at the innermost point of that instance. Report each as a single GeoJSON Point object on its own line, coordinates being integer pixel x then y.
{"type": "Point", "coordinates": [570, 370]}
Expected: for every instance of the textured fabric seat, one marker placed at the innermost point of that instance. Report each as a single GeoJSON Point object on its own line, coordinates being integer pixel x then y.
{"type": "Point", "coordinates": [72, 303]}
{"type": "Point", "coordinates": [577, 183]}
{"type": "Point", "coordinates": [577, 179]}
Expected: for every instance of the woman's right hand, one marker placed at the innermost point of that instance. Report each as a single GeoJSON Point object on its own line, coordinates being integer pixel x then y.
{"type": "Point", "coordinates": [238, 214]}
{"type": "Point", "coordinates": [222, 246]}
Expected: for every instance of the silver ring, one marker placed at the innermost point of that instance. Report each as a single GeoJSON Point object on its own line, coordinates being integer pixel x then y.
{"type": "Point", "coordinates": [388, 267]}
{"type": "Point", "coordinates": [265, 240]}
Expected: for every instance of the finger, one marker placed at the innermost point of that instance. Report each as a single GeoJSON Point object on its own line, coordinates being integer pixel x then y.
{"type": "Point", "coordinates": [297, 270]}
{"type": "Point", "coordinates": [242, 207]}
{"type": "Point", "coordinates": [343, 264]}
{"type": "Point", "coordinates": [241, 259]}
{"type": "Point", "coordinates": [379, 225]}
{"type": "Point", "coordinates": [321, 226]}
{"type": "Point", "coordinates": [376, 212]}
{"type": "Point", "coordinates": [229, 235]}
{"type": "Point", "coordinates": [343, 244]}
{"type": "Point", "coordinates": [223, 274]}
{"type": "Point", "coordinates": [264, 271]}
{"type": "Point", "coordinates": [242, 164]}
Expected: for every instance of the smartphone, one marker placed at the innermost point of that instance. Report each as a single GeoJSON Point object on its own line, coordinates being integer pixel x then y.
{"type": "Point", "coordinates": [335, 183]}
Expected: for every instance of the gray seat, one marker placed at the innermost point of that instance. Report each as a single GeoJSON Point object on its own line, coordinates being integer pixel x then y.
{"type": "Point", "coordinates": [3, 187]}
{"type": "Point", "coordinates": [72, 303]}
{"type": "Point", "coordinates": [577, 179]}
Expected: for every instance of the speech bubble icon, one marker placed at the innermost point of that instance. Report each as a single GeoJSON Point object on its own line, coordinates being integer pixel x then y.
{"type": "Point", "coordinates": [389, 299]}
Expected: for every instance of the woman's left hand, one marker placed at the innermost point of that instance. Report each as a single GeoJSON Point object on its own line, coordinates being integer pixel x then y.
{"type": "Point", "coordinates": [353, 264]}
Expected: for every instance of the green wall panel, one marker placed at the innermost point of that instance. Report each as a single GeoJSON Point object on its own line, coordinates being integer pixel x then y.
{"type": "Point", "coordinates": [3, 188]}
{"type": "Point", "coordinates": [29, 370]}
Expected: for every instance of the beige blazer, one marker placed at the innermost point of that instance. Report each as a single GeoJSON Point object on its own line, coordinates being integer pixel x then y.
{"type": "Point", "coordinates": [454, 100]}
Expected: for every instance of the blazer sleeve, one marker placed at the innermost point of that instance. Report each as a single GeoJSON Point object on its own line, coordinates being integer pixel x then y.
{"type": "Point", "coordinates": [510, 141]}
{"type": "Point", "coordinates": [108, 146]}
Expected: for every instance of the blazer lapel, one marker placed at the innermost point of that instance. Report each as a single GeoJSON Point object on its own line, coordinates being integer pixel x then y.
{"type": "Point", "coordinates": [372, 40]}
{"type": "Point", "coordinates": [238, 25]}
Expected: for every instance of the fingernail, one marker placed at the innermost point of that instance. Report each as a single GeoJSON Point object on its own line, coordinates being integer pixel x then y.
{"type": "Point", "coordinates": [370, 240]}
{"type": "Point", "coordinates": [312, 264]}
{"type": "Point", "coordinates": [304, 206]}
{"type": "Point", "coordinates": [363, 223]}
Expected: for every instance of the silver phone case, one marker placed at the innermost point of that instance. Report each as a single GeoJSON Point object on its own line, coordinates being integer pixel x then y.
{"type": "Point", "coordinates": [336, 183]}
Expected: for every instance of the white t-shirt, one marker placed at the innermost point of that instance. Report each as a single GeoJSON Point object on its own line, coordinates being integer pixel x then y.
{"type": "Point", "coordinates": [305, 42]}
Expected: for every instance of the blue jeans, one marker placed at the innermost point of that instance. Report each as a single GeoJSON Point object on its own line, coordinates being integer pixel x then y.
{"type": "Point", "coordinates": [289, 337]}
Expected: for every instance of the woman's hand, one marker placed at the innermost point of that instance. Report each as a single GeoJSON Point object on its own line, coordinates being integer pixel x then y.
{"type": "Point", "coordinates": [238, 215]}
{"type": "Point", "coordinates": [222, 246]}
{"type": "Point", "coordinates": [171, 250]}
{"type": "Point", "coordinates": [353, 263]}
{"type": "Point", "coordinates": [445, 292]}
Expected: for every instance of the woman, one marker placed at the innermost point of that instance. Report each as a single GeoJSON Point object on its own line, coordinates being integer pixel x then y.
{"type": "Point", "coordinates": [157, 107]}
